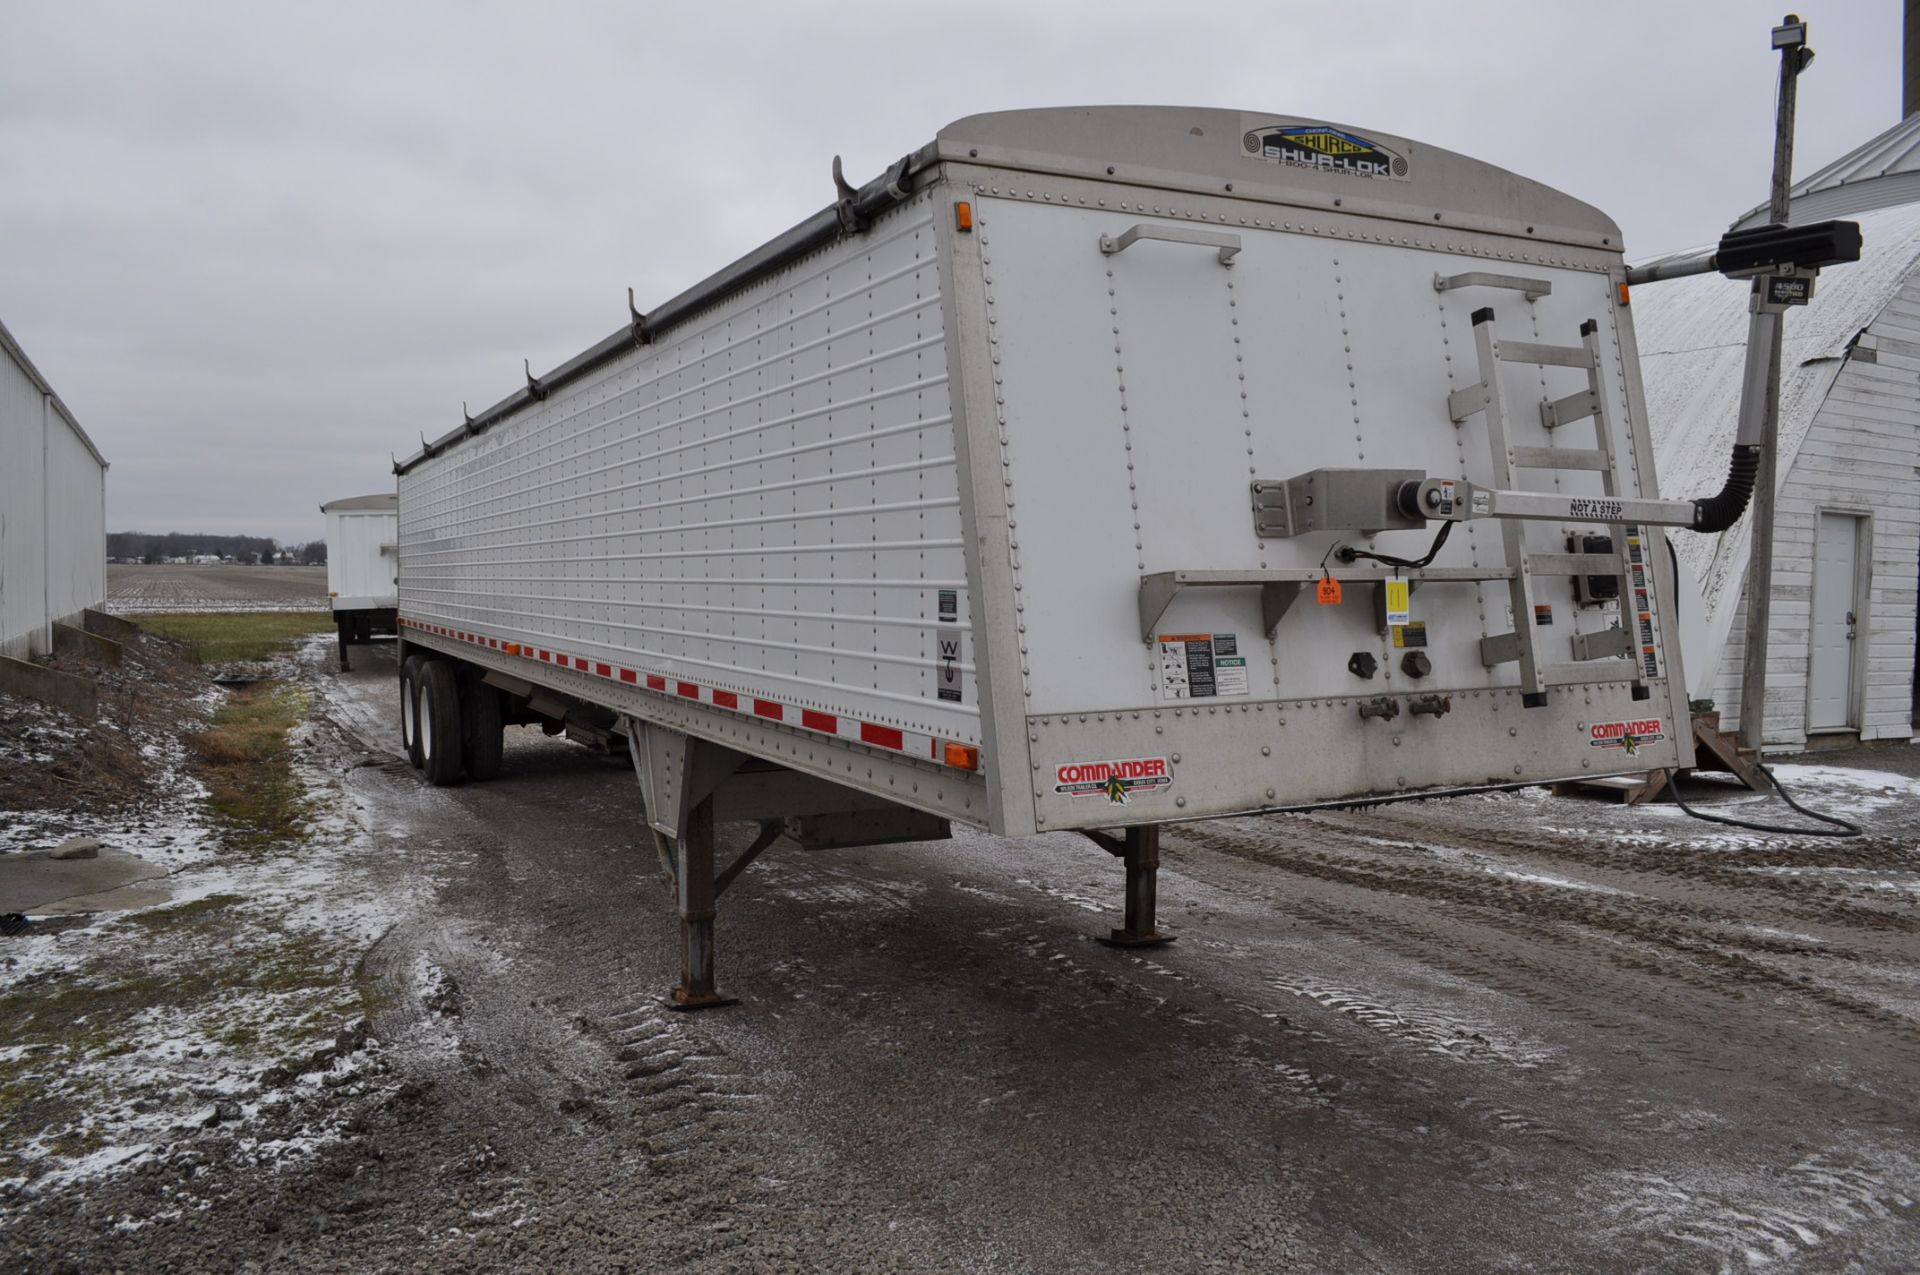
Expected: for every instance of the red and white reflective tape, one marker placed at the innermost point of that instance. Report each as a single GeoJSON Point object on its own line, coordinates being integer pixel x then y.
{"type": "Point", "coordinates": [954, 753]}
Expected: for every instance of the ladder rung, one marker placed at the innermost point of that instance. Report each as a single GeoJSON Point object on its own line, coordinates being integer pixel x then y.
{"type": "Point", "coordinates": [1580, 674]}
{"type": "Point", "coordinates": [1601, 644]}
{"type": "Point", "coordinates": [1573, 564]}
{"type": "Point", "coordinates": [1504, 648]}
{"type": "Point", "coordinates": [1544, 355]}
{"type": "Point", "coordinates": [1565, 411]}
{"type": "Point", "coordinates": [1558, 458]}
{"type": "Point", "coordinates": [1464, 403]}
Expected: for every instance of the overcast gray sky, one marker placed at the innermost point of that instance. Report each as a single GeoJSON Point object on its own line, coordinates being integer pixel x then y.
{"type": "Point", "coordinates": [258, 247]}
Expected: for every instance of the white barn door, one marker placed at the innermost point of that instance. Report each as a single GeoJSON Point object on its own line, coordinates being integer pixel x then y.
{"type": "Point", "coordinates": [1836, 612]}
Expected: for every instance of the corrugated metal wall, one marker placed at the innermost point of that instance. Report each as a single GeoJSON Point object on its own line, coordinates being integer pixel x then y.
{"type": "Point", "coordinates": [765, 501]}
{"type": "Point", "coordinates": [52, 510]}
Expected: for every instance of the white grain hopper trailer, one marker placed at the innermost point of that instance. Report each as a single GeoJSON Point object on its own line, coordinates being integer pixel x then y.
{"type": "Point", "coordinates": [363, 567]}
{"type": "Point", "coordinates": [1087, 470]}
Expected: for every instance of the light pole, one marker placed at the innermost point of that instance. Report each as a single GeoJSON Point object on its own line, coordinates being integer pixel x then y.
{"type": "Point", "coordinates": [1790, 38]}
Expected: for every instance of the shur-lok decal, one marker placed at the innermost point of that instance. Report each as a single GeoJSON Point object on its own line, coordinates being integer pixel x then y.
{"type": "Point", "coordinates": [1326, 148]}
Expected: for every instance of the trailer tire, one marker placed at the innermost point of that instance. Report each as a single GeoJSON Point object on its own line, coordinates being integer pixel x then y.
{"type": "Point", "coordinates": [439, 718]}
{"type": "Point", "coordinates": [410, 708]}
{"type": "Point", "coordinates": [485, 731]}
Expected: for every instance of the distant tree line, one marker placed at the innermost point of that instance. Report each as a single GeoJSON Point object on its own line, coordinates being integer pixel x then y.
{"type": "Point", "coordinates": [142, 546]}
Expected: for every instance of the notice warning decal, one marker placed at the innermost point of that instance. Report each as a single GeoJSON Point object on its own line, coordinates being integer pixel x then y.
{"type": "Point", "coordinates": [1117, 781]}
{"type": "Point", "coordinates": [1198, 665]}
{"type": "Point", "coordinates": [1626, 736]}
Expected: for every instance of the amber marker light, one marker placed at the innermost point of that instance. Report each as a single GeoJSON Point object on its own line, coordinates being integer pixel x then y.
{"type": "Point", "coordinates": [1626, 298]}
{"type": "Point", "coordinates": [962, 756]}
{"type": "Point", "coordinates": [513, 648]}
{"type": "Point", "coordinates": [963, 215]}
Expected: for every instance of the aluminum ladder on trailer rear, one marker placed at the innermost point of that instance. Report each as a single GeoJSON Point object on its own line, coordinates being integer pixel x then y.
{"type": "Point", "coordinates": [1594, 656]}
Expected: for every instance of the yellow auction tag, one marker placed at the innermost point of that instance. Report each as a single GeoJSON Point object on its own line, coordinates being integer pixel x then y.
{"type": "Point", "coordinates": [1399, 602]}
{"type": "Point", "coordinates": [1328, 594]}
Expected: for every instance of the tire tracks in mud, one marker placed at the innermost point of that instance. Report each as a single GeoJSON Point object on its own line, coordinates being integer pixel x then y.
{"type": "Point", "coordinates": [454, 1009]}
{"type": "Point", "coordinates": [1671, 945]}
{"type": "Point", "coordinates": [695, 1114]}
{"type": "Point", "coordinates": [511, 999]}
{"type": "Point", "coordinates": [1704, 877]}
{"type": "Point", "coordinates": [1815, 1204]}
{"type": "Point", "coordinates": [643, 1086]}
{"type": "Point", "coordinates": [1699, 904]}
{"type": "Point", "coordinates": [1370, 1085]}
{"type": "Point", "coordinates": [1604, 972]}
{"type": "Point", "coordinates": [1707, 1021]}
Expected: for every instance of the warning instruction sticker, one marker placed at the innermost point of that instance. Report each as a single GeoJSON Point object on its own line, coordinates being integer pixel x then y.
{"type": "Point", "coordinates": [1118, 781]}
{"type": "Point", "coordinates": [1643, 604]}
{"type": "Point", "coordinates": [1200, 665]}
{"type": "Point", "coordinates": [1626, 736]}
{"type": "Point", "coordinates": [948, 635]}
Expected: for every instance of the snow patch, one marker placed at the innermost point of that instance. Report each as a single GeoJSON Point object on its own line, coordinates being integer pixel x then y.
{"type": "Point", "coordinates": [1493, 864]}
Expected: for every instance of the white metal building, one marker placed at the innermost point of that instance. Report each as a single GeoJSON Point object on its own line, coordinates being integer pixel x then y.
{"type": "Point", "coordinates": [53, 541]}
{"type": "Point", "coordinates": [1841, 654]}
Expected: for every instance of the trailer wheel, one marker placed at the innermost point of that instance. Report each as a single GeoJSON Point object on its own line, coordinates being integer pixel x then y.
{"type": "Point", "coordinates": [410, 708]}
{"type": "Point", "coordinates": [439, 718]}
{"type": "Point", "coordinates": [485, 729]}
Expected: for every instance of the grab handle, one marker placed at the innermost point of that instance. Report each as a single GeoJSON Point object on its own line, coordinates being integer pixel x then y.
{"type": "Point", "coordinates": [1228, 244]}
{"type": "Point", "coordinates": [1533, 289]}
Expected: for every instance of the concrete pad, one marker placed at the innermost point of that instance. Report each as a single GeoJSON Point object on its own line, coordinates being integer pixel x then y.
{"type": "Point", "coordinates": [67, 640]}
{"type": "Point", "coordinates": [108, 626]}
{"type": "Point", "coordinates": [30, 880]}
{"type": "Point", "coordinates": [63, 691]}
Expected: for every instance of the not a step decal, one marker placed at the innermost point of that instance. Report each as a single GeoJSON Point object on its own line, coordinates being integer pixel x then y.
{"type": "Point", "coordinates": [1626, 736]}
{"type": "Point", "coordinates": [1117, 781]}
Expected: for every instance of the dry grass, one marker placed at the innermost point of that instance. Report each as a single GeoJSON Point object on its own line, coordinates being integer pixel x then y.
{"type": "Point", "coordinates": [245, 760]}
{"type": "Point", "coordinates": [98, 766]}
{"type": "Point", "coordinates": [236, 636]}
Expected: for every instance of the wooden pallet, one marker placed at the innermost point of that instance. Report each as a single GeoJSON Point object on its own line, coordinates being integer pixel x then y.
{"type": "Point", "coordinates": [1628, 790]}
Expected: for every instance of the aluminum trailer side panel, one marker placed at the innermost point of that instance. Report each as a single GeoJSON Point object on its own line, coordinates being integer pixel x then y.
{"type": "Point", "coordinates": [752, 525]}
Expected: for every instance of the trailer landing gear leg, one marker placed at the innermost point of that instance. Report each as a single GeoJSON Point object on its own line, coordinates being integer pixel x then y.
{"type": "Point", "coordinates": [1140, 851]}
{"type": "Point", "coordinates": [697, 897]}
